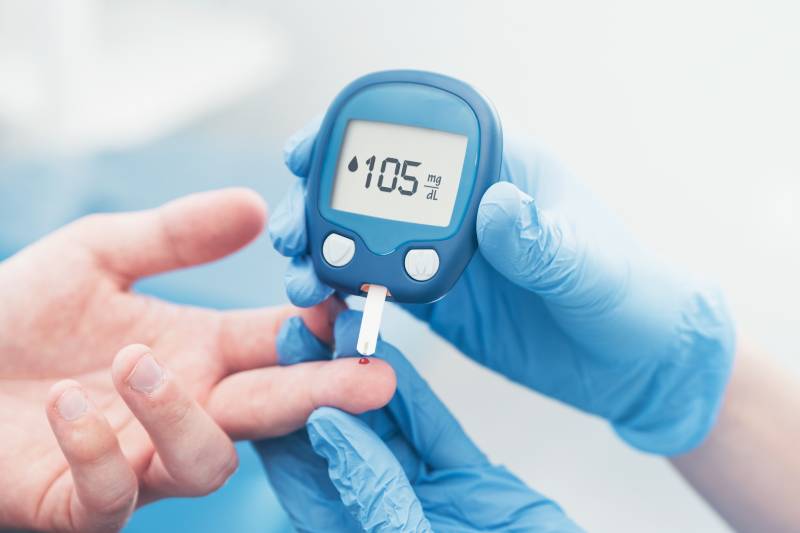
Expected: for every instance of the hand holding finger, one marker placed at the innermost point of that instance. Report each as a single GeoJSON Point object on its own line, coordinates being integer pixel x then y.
{"type": "Point", "coordinates": [425, 421]}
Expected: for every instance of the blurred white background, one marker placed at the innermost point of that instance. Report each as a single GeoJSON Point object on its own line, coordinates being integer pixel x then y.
{"type": "Point", "coordinates": [683, 116]}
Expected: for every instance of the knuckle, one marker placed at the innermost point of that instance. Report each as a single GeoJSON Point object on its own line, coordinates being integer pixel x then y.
{"type": "Point", "coordinates": [87, 446]}
{"type": "Point", "coordinates": [212, 476]}
{"type": "Point", "coordinates": [117, 502]}
{"type": "Point", "coordinates": [173, 411]}
{"type": "Point", "coordinates": [224, 471]}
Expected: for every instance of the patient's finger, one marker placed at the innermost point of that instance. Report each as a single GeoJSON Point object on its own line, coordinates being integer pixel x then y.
{"type": "Point", "coordinates": [188, 231]}
{"type": "Point", "coordinates": [277, 400]}
{"type": "Point", "coordinates": [105, 484]}
{"type": "Point", "coordinates": [248, 338]}
{"type": "Point", "coordinates": [422, 417]}
{"type": "Point", "coordinates": [194, 456]}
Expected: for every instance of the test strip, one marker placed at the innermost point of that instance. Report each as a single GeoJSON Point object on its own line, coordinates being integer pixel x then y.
{"type": "Point", "coordinates": [371, 321]}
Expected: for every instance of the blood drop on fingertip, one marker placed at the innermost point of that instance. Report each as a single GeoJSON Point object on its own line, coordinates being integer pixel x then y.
{"type": "Point", "coordinates": [363, 361]}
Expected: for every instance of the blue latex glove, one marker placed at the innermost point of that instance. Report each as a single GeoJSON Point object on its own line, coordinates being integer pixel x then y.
{"type": "Point", "coordinates": [407, 467]}
{"type": "Point", "coordinates": [561, 299]}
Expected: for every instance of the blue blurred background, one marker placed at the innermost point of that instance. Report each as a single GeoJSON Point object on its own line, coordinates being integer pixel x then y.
{"type": "Point", "coordinates": [682, 116]}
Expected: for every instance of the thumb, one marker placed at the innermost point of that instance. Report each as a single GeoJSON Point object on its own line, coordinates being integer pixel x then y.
{"type": "Point", "coordinates": [546, 253]}
{"type": "Point", "coordinates": [369, 478]}
{"type": "Point", "coordinates": [185, 232]}
{"type": "Point", "coordinates": [530, 247]}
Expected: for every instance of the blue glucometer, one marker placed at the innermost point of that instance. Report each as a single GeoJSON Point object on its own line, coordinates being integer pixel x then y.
{"type": "Point", "coordinates": [399, 167]}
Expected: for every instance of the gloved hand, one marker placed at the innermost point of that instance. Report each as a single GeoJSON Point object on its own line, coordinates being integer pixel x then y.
{"type": "Point", "coordinates": [406, 467]}
{"type": "Point", "coordinates": [561, 299]}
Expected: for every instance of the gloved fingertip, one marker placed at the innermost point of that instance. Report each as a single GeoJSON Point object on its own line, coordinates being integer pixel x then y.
{"type": "Point", "coordinates": [296, 344]}
{"type": "Point", "coordinates": [501, 208]}
{"type": "Point", "coordinates": [288, 233]}
{"type": "Point", "coordinates": [326, 431]}
{"type": "Point", "coordinates": [369, 478]}
{"type": "Point", "coordinates": [324, 415]}
{"type": "Point", "coordinates": [299, 147]}
{"type": "Point", "coordinates": [307, 296]}
{"type": "Point", "coordinates": [345, 333]}
{"type": "Point", "coordinates": [287, 226]}
{"type": "Point", "coordinates": [302, 284]}
{"type": "Point", "coordinates": [522, 243]}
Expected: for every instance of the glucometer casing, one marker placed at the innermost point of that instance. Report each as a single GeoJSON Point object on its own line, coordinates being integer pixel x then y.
{"type": "Point", "coordinates": [417, 99]}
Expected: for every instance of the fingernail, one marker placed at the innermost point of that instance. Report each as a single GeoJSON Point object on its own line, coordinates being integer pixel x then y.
{"type": "Point", "coordinates": [72, 404]}
{"type": "Point", "coordinates": [147, 376]}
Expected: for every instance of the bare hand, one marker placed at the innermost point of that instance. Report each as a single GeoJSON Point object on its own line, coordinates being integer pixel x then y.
{"type": "Point", "coordinates": [156, 420]}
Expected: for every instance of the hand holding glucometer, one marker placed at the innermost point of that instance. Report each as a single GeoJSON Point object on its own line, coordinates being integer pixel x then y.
{"type": "Point", "coordinates": [399, 167]}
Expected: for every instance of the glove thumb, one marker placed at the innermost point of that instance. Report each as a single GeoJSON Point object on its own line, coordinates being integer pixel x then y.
{"type": "Point", "coordinates": [528, 246]}
{"type": "Point", "coordinates": [369, 478]}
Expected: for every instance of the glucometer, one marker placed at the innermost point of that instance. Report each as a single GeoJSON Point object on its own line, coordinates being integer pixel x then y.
{"type": "Point", "coordinates": [400, 164]}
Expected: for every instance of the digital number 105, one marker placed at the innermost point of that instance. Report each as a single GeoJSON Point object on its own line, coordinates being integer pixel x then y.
{"type": "Point", "coordinates": [392, 169]}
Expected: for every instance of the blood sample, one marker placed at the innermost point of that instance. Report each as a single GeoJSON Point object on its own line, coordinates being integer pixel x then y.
{"type": "Point", "coordinates": [363, 361]}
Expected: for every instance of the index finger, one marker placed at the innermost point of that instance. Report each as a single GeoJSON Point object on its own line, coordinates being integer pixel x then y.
{"type": "Point", "coordinates": [274, 401]}
{"type": "Point", "coordinates": [299, 148]}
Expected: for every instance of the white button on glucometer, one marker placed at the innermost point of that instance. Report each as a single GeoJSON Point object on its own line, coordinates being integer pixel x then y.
{"type": "Point", "coordinates": [338, 250]}
{"type": "Point", "coordinates": [422, 265]}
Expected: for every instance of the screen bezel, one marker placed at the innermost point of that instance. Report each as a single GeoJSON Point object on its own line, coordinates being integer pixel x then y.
{"type": "Point", "coordinates": [424, 107]}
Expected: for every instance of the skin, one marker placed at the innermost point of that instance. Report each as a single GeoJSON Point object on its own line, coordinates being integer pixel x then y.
{"type": "Point", "coordinates": [748, 468]}
{"type": "Point", "coordinates": [89, 435]}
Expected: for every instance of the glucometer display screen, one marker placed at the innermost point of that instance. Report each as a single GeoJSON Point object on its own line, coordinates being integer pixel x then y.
{"type": "Point", "coordinates": [399, 172]}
